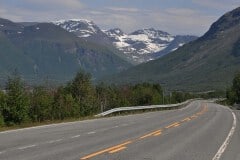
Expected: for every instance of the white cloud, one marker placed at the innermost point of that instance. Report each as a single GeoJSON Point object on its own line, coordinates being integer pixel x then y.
{"type": "Point", "coordinates": [125, 22]}
{"type": "Point", "coordinates": [173, 20]}
{"type": "Point", "coordinates": [217, 4]}
{"type": "Point", "coordinates": [67, 4]}
{"type": "Point", "coordinates": [41, 10]}
{"type": "Point", "coordinates": [96, 12]}
{"type": "Point", "coordinates": [5, 14]}
{"type": "Point", "coordinates": [183, 21]}
{"type": "Point", "coordinates": [180, 11]}
{"type": "Point", "coordinates": [120, 9]}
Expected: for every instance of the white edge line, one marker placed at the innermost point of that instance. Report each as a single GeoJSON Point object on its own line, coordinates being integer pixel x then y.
{"type": "Point", "coordinates": [48, 126]}
{"type": "Point", "coordinates": [54, 141]}
{"type": "Point", "coordinates": [75, 136]}
{"type": "Point", "coordinates": [227, 140]}
{"type": "Point", "coordinates": [37, 127]}
{"type": "Point", "coordinates": [25, 147]}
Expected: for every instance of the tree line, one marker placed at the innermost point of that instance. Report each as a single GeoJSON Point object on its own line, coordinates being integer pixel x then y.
{"type": "Point", "coordinates": [78, 98]}
{"type": "Point", "coordinates": [233, 93]}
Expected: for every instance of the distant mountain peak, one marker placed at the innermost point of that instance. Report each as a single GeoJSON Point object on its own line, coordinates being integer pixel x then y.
{"type": "Point", "coordinates": [84, 27]}
{"type": "Point", "coordinates": [73, 20]}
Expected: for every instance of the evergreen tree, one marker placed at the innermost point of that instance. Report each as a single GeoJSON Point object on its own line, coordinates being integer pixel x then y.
{"type": "Point", "coordinates": [17, 102]}
{"type": "Point", "coordinates": [84, 93]}
{"type": "Point", "coordinates": [41, 104]}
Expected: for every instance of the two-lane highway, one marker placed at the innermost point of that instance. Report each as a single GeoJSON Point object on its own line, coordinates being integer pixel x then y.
{"type": "Point", "coordinates": [196, 132]}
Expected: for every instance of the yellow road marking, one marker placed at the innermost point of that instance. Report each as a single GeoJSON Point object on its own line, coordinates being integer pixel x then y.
{"type": "Point", "coordinates": [158, 134]}
{"type": "Point", "coordinates": [176, 124]}
{"type": "Point", "coordinates": [150, 134]}
{"type": "Point", "coordinates": [106, 150]}
{"type": "Point", "coordinates": [122, 146]}
{"type": "Point", "coordinates": [117, 150]}
{"type": "Point", "coordinates": [186, 119]}
{"type": "Point", "coordinates": [194, 116]}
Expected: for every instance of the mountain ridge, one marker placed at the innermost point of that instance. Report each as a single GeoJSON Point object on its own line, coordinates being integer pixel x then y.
{"type": "Point", "coordinates": [139, 46]}
{"type": "Point", "coordinates": [46, 50]}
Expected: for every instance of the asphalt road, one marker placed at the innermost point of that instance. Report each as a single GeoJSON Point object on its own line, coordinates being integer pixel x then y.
{"type": "Point", "coordinates": [196, 132]}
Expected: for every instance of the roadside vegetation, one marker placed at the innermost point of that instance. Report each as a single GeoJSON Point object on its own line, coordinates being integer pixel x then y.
{"type": "Point", "coordinates": [76, 100]}
{"type": "Point", "coordinates": [233, 93]}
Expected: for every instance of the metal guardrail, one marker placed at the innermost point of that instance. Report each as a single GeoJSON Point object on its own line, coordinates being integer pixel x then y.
{"type": "Point", "coordinates": [121, 109]}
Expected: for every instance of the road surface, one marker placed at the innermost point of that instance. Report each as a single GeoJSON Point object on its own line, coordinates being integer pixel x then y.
{"type": "Point", "coordinates": [200, 131]}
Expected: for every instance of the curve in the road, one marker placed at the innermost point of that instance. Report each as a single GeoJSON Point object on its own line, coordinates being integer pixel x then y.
{"type": "Point", "coordinates": [158, 132]}
{"type": "Point", "coordinates": [194, 132]}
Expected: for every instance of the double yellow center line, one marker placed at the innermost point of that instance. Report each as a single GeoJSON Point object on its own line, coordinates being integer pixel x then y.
{"type": "Point", "coordinates": [158, 132]}
{"type": "Point", "coordinates": [155, 133]}
{"type": "Point", "coordinates": [113, 149]}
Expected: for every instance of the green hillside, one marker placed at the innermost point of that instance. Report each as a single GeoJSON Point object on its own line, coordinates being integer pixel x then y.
{"type": "Point", "coordinates": [208, 63]}
{"type": "Point", "coordinates": [12, 58]}
{"type": "Point", "coordinates": [45, 50]}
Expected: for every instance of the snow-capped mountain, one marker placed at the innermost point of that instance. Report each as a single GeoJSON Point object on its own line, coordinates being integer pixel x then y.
{"type": "Point", "coordinates": [139, 46]}
{"type": "Point", "coordinates": [146, 44]}
{"type": "Point", "coordinates": [84, 29]}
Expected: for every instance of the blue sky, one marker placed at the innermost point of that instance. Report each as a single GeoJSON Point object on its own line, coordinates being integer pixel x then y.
{"type": "Point", "coordinates": [174, 16]}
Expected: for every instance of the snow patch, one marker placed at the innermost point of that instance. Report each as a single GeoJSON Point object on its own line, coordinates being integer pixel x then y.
{"type": "Point", "coordinates": [121, 44]}
{"type": "Point", "coordinates": [62, 21]}
{"type": "Point", "coordinates": [117, 31]}
{"type": "Point", "coordinates": [84, 36]}
{"type": "Point", "coordinates": [174, 49]}
{"type": "Point", "coordinates": [181, 44]}
{"type": "Point", "coordinates": [168, 38]}
{"type": "Point", "coordinates": [140, 37]}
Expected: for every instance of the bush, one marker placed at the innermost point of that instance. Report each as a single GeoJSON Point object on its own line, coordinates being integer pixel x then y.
{"type": "Point", "coordinates": [2, 106]}
{"type": "Point", "coordinates": [1, 120]}
{"type": "Point", "coordinates": [233, 94]}
{"type": "Point", "coordinates": [236, 87]}
{"type": "Point", "coordinates": [41, 104]}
